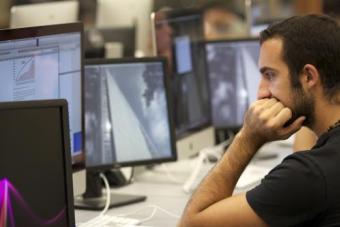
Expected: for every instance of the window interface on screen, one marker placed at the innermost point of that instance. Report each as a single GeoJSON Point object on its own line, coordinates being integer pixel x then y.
{"type": "Point", "coordinates": [46, 67]}
{"type": "Point", "coordinates": [126, 103]}
{"type": "Point", "coordinates": [234, 78]}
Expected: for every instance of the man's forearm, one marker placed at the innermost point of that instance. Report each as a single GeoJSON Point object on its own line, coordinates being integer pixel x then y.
{"type": "Point", "coordinates": [221, 181]}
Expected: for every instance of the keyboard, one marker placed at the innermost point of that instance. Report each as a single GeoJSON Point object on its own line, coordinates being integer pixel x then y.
{"type": "Point", "coordinates": [110, 221]}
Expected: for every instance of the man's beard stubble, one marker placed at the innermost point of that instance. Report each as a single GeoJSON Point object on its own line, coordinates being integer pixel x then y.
{"type": "Point", "coordinates": [303, 105]}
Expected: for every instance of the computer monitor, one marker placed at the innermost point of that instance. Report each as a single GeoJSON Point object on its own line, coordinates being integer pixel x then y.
{"type": "Point", "coordinates": [233, 78]}
{"type": "Point", "coordinates": [127, 118]}
{"type": "Point", "coordinates": [46, 63]}
{"type": "Point", "coordinates": [44, 14]}
{"type": "Point", "coordinates": [178, 36]}
{"type": "Point", "coordinates": [35, 165]}
{"type": "Point", "coordinates": [127, 13]}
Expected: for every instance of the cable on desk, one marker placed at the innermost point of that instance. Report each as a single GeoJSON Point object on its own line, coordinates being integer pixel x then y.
{"type": "Point", "coordinates": [132, 174]}
{"type": "Point", "coordinates": [215, 151]}
{"type": "Point", "coordinates": [108, 194]}
{"type": "Point", "coordinates": [155, 208]}
{"type": "Point", "coordinates": [169, 175]}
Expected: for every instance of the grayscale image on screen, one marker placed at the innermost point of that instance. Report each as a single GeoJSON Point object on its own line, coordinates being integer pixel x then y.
{"type": "Point", "coordinates": [132, 123]}
{"type": "Point", "coordinates": [233, 77]}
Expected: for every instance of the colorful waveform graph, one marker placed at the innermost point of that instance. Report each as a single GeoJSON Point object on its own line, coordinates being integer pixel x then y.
{"type": "Point", "coordinates": [8, 195]}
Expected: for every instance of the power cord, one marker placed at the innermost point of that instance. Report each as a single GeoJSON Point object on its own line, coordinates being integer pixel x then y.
{"type": "Point", "coordinates": [155, 208]}
{"type": "Point", "coordinates": [216, 151]}
{"type": "Point", "coordinates": [132, 174]}
{"type": "Point", "coordinates": [108, 194]}
{"type": "Point", "coordinates": [169, 175]}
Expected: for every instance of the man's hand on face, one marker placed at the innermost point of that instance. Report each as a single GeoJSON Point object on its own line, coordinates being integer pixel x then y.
{"type": "Point", "coordinates": [265, 121]}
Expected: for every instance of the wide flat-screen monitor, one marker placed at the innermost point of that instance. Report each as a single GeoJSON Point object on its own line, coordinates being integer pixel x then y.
{"type": "Point", "coordinates": [127, 113]}
{"type": "Point", "coordinates": [233, 79]}
{"type": "Point", "coordinates": [35, 165]}
{"type": "Point", "coordinates": [178, 37]}
{"type": "Point", "coordinates": [46, 63]}
{"type": "Point", "coordinates": [44, 14]}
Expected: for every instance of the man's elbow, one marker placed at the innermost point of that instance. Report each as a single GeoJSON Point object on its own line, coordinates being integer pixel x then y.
{"type": "Point", "coordinates": [189, 220]}
{"type": "Point", "coordinates": [184, 222]}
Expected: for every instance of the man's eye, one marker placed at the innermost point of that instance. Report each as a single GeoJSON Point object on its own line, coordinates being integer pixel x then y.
{"type": "Point", "coordinates": [269, 75]}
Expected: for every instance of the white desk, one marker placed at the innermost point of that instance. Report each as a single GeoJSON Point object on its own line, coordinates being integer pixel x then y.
{"type": "Point", "coordinates": [162, 192]}
{"type": "Point", "coordinates": [167, 196]}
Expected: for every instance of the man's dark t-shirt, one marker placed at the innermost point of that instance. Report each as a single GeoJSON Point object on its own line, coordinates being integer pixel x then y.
{"type": "Point", "coordinates": [304, 190]}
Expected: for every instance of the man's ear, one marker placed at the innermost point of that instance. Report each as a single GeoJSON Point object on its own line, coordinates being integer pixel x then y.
{"type": "Point", "coordinates": [310, 76]}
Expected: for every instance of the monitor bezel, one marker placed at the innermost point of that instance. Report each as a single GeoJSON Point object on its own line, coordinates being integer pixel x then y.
{"type": "Point", "coordinates": [63, 107]}
{"type": "Point", "coordinates": [44, 30]}
{"type": "Point", "coordinates": [47, 30]}
{"type": "Point", "coordinates": [166, 82]}
{"type": "Point", "coordinates": [235, 127]}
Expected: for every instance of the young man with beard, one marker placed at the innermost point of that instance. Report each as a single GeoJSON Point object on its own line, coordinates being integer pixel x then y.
{"type": "Point", "coordinates": [300, 85]}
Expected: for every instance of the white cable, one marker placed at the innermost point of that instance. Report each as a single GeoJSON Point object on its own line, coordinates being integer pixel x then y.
{"type": "Point", "coordinates": [169, 175]}
{"type": "Point", "coordinates": [188, 184]}
{"type": "Point", "coordinates": [215, 151]}
{"type": "Point", "coordinates": [154, 210]}
{"type": "Point", "coordinates": [108, 194]}
{"type": "Point", "coordinates": [167, 212]}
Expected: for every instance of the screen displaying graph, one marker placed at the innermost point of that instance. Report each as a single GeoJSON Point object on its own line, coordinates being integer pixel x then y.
{"type": "Point", "coordinates": [24, 70]}
{"type": "Point", "coordinates": [45, 67]}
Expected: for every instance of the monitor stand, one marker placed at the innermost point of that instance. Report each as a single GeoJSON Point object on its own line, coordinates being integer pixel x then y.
{"type": "Point", "coordinates": [95, 199]}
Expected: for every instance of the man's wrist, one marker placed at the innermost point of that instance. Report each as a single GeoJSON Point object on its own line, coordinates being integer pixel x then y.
{"type": "Point", "coordinates": [249, 140]}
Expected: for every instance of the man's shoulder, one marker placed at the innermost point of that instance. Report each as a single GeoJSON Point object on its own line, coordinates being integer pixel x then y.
{"type": "Point", "coordinates": [294, 173]}
{"type": "Point", "coordinates": [294, 189]}
{"type": "Point", "coordinates": [300, 161]}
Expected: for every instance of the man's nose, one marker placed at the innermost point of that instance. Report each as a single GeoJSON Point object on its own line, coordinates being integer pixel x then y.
{"type": "Point", "coordinates": [263, 91]}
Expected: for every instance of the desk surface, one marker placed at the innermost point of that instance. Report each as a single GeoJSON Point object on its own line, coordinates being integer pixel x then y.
{"type": "Point", "coordinates": [161, 191]}
{"type": "Point", "coordinates": [166, 196]}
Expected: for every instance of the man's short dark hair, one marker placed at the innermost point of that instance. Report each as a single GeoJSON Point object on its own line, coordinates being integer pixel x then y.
{"type": "Point", "coordinates": [310, 39]}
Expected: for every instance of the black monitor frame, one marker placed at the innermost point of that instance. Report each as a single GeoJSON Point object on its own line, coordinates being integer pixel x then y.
{"type": "Point", "coordinates": [46, 30]}
{"type": "Point", "coordinates": [92, 199]}
{"type": "Point", "coordinates": [63, 106]}
{"type": "Point", "coordinates": [170, 15]}
{"type": "Point", "coordinates": [236, 127]}
{"type": "Point", "coordinates": [169, 109]}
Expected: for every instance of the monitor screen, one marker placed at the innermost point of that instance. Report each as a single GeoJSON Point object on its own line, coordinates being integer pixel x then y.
{"type": "Point", "coordinates": [35, 173]}
{"type": "Point", "coordinates": [127, 115]}
{"type": "Point", "coordinates": [233, 78]}
{"type": "Point", "coordinates": [45, 13]}
{"type": "Point", "coordinates": [178, 37]}
{"type": "Point", "coordinates": [45, 63]}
